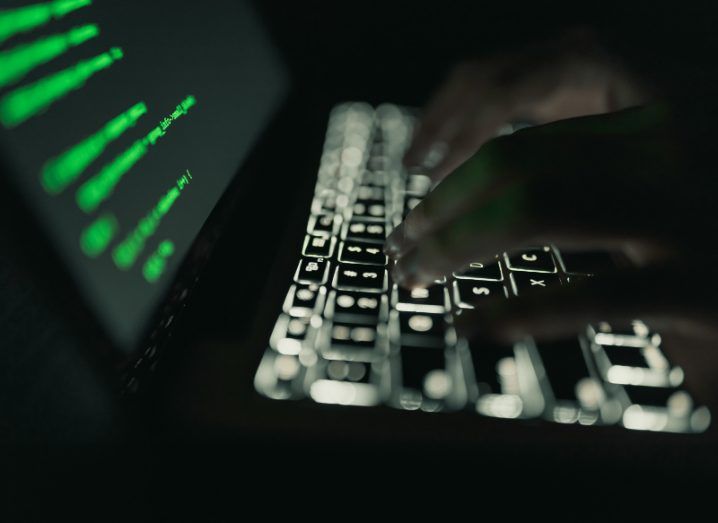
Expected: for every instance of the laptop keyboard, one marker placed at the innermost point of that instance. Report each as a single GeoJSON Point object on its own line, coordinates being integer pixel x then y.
{"type": "Point", "coordinates": [347, 335]}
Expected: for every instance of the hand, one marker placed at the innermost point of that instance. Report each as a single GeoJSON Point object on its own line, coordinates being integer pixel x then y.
{"type": "Point", "coordinates": [563, 79]}
{"type": "Point", "coordinates": [609, 181]}
{"type": "Point", "coordinates": [616, 181]}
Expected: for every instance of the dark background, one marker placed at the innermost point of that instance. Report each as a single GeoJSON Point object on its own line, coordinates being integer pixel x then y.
{"type": "Point", "coordinates": [373, 51]}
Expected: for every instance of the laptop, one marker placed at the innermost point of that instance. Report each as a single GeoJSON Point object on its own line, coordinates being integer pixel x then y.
{"type": "Point", "coordinates": [125, 131]}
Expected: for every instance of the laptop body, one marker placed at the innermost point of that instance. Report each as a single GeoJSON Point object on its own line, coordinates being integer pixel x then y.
{"type": "Point", "coordinates": [265, 415]}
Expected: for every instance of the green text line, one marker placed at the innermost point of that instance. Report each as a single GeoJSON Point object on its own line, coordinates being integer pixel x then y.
{"type": "Point", "coordinates": [64, 169]}
{"type": "Point", "coordinates": [126, 253]}
{"type": "Point", "coordinates": [97, 236]}
{"type": "Point", "coordinates": [156, 263]}
{"type": "Point", "coordinates": [17, 62]}
{"type": "Point", "coordinates": [101, 186]}
{"type": "Point", "coordinates": [28, 101]}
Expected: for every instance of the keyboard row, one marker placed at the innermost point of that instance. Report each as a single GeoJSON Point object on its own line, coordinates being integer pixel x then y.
{"type": "Point", "coordinates": [347, 335]}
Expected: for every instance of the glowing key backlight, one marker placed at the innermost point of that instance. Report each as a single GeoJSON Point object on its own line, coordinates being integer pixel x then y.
{"type": "Point", "coordinates": [126, 252]}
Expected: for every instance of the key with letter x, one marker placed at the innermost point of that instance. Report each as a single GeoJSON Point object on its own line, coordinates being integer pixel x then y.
{"type": "Point", "coordinates": [526, 282]}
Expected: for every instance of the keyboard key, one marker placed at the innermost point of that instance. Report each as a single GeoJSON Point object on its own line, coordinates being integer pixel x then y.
{"type": "Point", "coordinates": [368, 192]}
{"type": "Point", "coordinates": [357, 307]}
{"type": "Point", "coordinates": [469, 294]}
{"type": "Point", "coordinates": [421, 329]}
{"type": "Point", "coordinates": [424, 376]}
{"type": "Point", "coordinates": [291, 334]}
{"type": "Point", "coordinates": [279, 376]}
{"type": "Point", "coordinates": [360, 278]}
{"type": "Point", "coordinates": [480, 271]}
{"type": "Point", "coordinates": [318, 246]}
{"type": "Point", "coordinates": [494, 368]}
{"type": "Point", "coordinates": [572, 394]}
{"type": "Point", "coordinates": [430, 299]}
{"type": "Point", "coordinates": [323, 225]}
{"type": "Point", "coordinates": [625, 356]}
{"type": "Point", "coordinates": [525, 282]}
{"type": "Point", "coordinates": [572, 279]}
{"type": "Point", "coordinates": [418, 185]}
{"type": "Point", "coordinates": [325, 202]}
{"type": "Point", "coordinates": [352, 371]}
{"type": "Point", "coordinates": [343, 382]}
{"type": "Point", "coordinates": [532, 260]}
{"type": "Point", "coordinates": [312, 270]}
{"type": "Point", "coordinates": [365, 231]}
{"type": "Point", "coordinates": [377, 148]}
{"type": "Point", "coordinates": [362, 253]}
{"type": "Point", "coordinates": [409, 203]}
{"type": "Point", "coordinates": [304, 300]}
{"type": "Point", "coordinates": [664, 409]}
{"type": "Point", "coordinates": [654, 396]}
{"type": "Point", "coordinates": [353, 342]}
{"type": "Point", "coordinates": [370, 209]}
{"type": "Point", "coordinates": [326, 181]}
{"type": "Point", "coordinates": [345, 187]}
{"type": "Point", "coordinates": [625, 334]}
{"type": "Point", "coordinates": [420, 363]}
{"type": "Point", "coordinates": [375, 178]}
{"type": "Point", "coordinates": [379, 163]}
{"type": "Point", "coordinates": [644, 365]}
{"type": "Point", "coordinates": [591, 262]}
{"type": "Point", "coordinates": [360, 336]}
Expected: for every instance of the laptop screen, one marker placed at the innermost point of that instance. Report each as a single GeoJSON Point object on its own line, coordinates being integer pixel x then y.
{"type": "Point", "coordinates": [122, 123]}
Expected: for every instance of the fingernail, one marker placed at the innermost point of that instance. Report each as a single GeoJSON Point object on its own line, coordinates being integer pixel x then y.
{"type": "Point", "coordinates": [402, 271]}
{"type": "Point", "coordinates": [397, 275]}
{"type": "Point", "coordinates": [406, 273]}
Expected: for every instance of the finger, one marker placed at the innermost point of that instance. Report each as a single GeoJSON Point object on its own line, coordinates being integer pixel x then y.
{"type": "Point", "coordinates": [468, 187]}
{"type": "Point", "coordinates": [443, 115]}
{"type": "Point", "coordinates": [503, 224]}
{"type": "Point", "coordinates": [476, 235]}
{"type": "Point", "coordinates": [548, 158]}
{"type": "Point", "coordinates": [468, 140]}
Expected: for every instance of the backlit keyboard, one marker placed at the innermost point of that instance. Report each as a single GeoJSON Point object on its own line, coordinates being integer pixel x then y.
{"type": "Point", "coordinates": [347, 335]}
